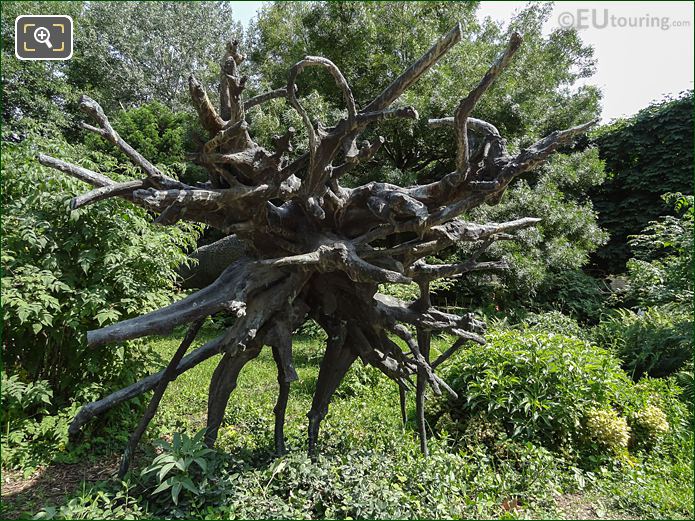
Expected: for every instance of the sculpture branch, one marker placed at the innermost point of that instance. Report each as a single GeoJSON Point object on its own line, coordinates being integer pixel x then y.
{"type": "Point", "coordinates": [315, 249]}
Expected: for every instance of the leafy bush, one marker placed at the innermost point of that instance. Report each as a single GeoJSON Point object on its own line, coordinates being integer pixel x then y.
{"type": "Point", "coordinates": [26, 429]}
{"type": "Point", "coordinates": [650, 425]}
{"type": "Point", "coordinates": [104, 501]}
{"type": "Point", "coordinates": [65, 272]}
{"type": "Point", "coordinates": [608, 428]}
{"type": "Point", "coordinates": [158, 133]}
{"type": "Point", "coordinates": [33, 441]}
{"type": "Point", "coordinates": [311, 329]}
{"type": "Point", "coordinates": [538, 386]}
{"type": "Point", "coordinates": [20, 399]}
{"type": "Point", "coordinates": [574, 293]}
{"type": "Point", "coordinates": [554, 322]}
{"type": "Point", "coordinates": [661, 271]}
{"type": "Point", "coordinates": [545, 261]}
{"type": "Point", "coordinates": [359, 378]}
{"type": "Point", "coordinates": [559, 392]}
{"type": "Point", "coordinates": [656, 341]}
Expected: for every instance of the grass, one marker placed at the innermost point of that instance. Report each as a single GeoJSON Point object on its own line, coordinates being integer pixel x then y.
{"type": "Point", "coordinates": [249, 421]}
{"type": "Point", "coordinates": [370, 465]}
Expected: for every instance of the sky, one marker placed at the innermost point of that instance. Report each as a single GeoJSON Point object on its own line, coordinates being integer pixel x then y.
{"type": "Point", "coordinates": [643, 50]}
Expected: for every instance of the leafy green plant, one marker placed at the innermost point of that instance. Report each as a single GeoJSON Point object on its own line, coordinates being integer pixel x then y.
{"type": "Point", "coordinates": [31, 441]}
{"type": "Point", "coordinates": [359, 379]}
{"type": "Point", "coordinates": [650, 425]}
{"type": "Point", "coordinates": [656, 341]}
{"type": "Point", "coordinates": [686, 380]}
{"type": "Point", "coordinates": [185, 464]}
{"type": "Point", "coordinates": [538, 386]}
{"type": "Point", "coordinates": [646, 156]}
{"type": "Point", "coordinates": [661, 271]}
{"type": "Point", "coordinates": [608, 429]}
{"type": "Point", "coordinates": [65, 272]}
{"type": "Point", "coordinates": [100, 501]}
{"type": "Point", "coordinates": [21, 399]}
{"type": "Point", "coordinates": [554, 322]}
{"type": "Point", "coordinates": [158, 133]}
{"type": "Point", "coordinates": [545, 263]}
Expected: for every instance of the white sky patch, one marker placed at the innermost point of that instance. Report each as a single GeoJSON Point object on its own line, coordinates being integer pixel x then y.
{"type": "Point", "coordinates": [634, 65]}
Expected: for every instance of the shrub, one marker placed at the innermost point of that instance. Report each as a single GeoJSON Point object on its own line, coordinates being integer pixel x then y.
{"type": "Point", "coordinates": [555, 322]}
{"type": "Point", "coordinates": [108, 502]}
{"type": "Point", "coordinates": [158, 133]}
{"type": "Point", "coordinates": [655, 342]}
{"type": "Point", "coordinates": [546, 259]}
{"type": "Point", "coordinates": [661, 271]}
{"type": "Point", "coordinates": [537, 385]}
{"type": "Point", "coordinates": [608, 428]}
{"type": "Point", "coordinates": [650, 425]}
{"type": "Point", "coordinates": [645, 155]}
{"type": "Point", "coordinates": [65, 272]}
{"type": "Point", "coordinates": [573, 292]}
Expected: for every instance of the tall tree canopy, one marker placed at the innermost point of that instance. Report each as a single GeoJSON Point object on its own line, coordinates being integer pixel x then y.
{"type": "Point", "coordinates": [373, 41]}
{"type": "Point", "coordinates": [126, 53]}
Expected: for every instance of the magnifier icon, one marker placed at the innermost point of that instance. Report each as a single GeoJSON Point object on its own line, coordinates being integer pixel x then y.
{"type": "Point", "coordinates": [43, 35]}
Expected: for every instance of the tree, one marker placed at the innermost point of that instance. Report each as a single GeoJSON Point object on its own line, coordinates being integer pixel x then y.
{"type": "Point", "coordinates": [128, 53]}
{"type": "Point", "coordinates": [68, 271]}
{"type": "Point", "coordinates": [36, 95]}
{"type": "Point", "coordinates": [137, 50]}
{"type": "Point", "coordinates": [318, 249]}
{"type": "Point", "coordinates": [374, 41]}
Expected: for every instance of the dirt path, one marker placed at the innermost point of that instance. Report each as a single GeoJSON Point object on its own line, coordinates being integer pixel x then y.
{"type": "Point", "coordinates": [50, 485]}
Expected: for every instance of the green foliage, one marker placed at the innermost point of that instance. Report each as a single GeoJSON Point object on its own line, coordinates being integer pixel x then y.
{"type": "Point", "coordinates": [359, 379]}
{"type": "Point", "coordinates": [555, 322]}
{"type": "Point", "coordinates": [655, 487]}
{"type": "Point", "coordinates": [37, 97]}
{"type": "Point", "coordinates": [22, 399]}
{"type": "Point", "coordinates": [537, 386]}
{"type": "Point", "coordinates": [312, 330]}
{"type": "Point", "coordinates": [152, 129]}
{"type": "Point", "coordinates": [572, 292]}
{"type": "Point", "coordinates": [158, 133]}
{"type": "Point", "coordinates": [184, 465]}
{"type": "Point", "coordinates": [65, 272]}
{"type": "Point", "coordinates": [371, 468]}
{"type": "Point", "coordinates": [101, 501]}
{"type": "Point", "coordinates": [126, 54]}
{"type": "Point", "coordinates": [374, 42]}
{"type": "Point", "coordinates": [647, 155]}
{"type": "Point", "coordinates": [650, 425]}
{"type": "Point", "coordinates": [144, 51]}
{"type": "Point", "coordinates": [34, 440]}
{"type": "Point", "coordinates": [656, 341]}
{"type": "Point", "coordinates": [545, 260]}
{"type": "Point", "coordinates": [606, 427]}
{"type": "Point", "coordinates": [661, 270]}
{"type": "Point", "coordinates": [686, 381]}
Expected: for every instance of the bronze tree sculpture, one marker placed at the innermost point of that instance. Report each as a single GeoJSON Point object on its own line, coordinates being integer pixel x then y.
{"type": "Point", "coordinates": [316, 249]}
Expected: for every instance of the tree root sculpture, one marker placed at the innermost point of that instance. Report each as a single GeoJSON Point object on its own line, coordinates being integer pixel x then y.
{"type": "Point", "coordinates": [316, 249]}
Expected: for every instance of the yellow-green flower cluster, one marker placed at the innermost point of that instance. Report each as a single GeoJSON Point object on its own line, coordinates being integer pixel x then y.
{"type": "Point", "coordinates": [651, 424]}
{"type": "Point", "coordinates": [608, 428]}
{"type": "Point", "coordinates": [481, 429]}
